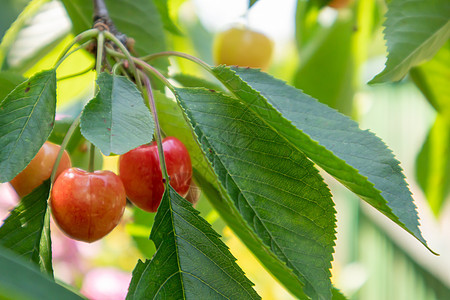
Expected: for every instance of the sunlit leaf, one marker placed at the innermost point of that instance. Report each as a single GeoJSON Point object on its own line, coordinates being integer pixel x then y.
{"type": "Point", "coordinates": [117, 120]}
{"type": "Point", "coordinates": [357, 158]}
{"type": "Point", "coordinates": [433, 164]}
{"type": "Point", "coordinates": [9, 12]}
{"type": "Point", "coordinates": [26, 120]}
{"type": "Point", "coordinates": [163, 7]}
{"type": "Point", "coordinates": [191, 261]}
{"type": "Point", "coordinates": [415, 31]}
{"type": "Point", "coordinates": [20, 280]}
{"type": "Point", "coordinates": [26, 231]}
{"type": "Point", "coordinates": [307, 28]}
{"type": "Point", "coordinates": [274, 186]}
{"type": "Point", "coordinates": [330, 65]}
{"type": "Point", "coordinates": [432, 78]}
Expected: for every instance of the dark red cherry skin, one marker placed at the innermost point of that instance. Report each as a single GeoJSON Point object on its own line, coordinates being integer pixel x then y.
{"type": "Point", "coordinates": [141, 175]}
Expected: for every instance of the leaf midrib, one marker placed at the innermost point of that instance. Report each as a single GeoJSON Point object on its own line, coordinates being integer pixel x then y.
{"type": "Point", "coordinates": [178, 237]}
{"type": "Point", "coordinates": [256, 214]}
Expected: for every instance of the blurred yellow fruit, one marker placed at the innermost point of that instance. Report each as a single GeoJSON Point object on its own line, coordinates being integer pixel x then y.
{"type": "Point", "coordinates": [243, 47]}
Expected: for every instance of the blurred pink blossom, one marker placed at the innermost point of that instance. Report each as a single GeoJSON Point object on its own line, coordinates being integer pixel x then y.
{"type": "Point", "coordinates": [8, 200]}
{"type": "Point", "coordinates": [106, 283]}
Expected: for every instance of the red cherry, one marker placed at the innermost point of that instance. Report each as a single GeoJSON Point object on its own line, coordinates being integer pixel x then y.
{"type": "Point", "coordinates": [141, 175]}
{"type": "Point", "coordinates": [87, 206]}
{"type": "Point", "coordinates": [40, 169]}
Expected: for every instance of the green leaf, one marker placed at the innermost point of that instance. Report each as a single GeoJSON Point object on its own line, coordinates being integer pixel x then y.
{"type": "Point", "coordinates": [337, 295]}
{"type": "Point", "coordinates": [307, 29]}
{"type": "Point", "coordinates": [251, 3]}
{"type": "Point", "coordinates": [116, 120]}
{"type": "Point", "coordinates": [433, 164]}
{"type": "Point", "coordinates": [9, 12]}
{"type": "Point", "coordinates": [139, 19]}
{"type": "Point", "coordinates": [235, 221]}
{"type": "Point", "coordinates": [8, 82]}
{"type": "Point", "coordinates": [357, 158]}
{"type": "Point", "coordinates": [330, 65]}
{"type": "Point", "coordinates": [274, 186]}
{"type": "Point", "coordinates": [163, 8]}
{"type": "Point", "coordinates": [415, 31]}
{"type": "Point", "coordinates": [174, 124]}
{"type": "Point", "coordinates": [27, 115]}
{"type": "Point", "coordinates": [191, 261]}
{"type": "Point", "coordinates": [26, 231]}
{"type": "Point", "coordinates": [432, 79]}
{"type": "Point", "coordinates": [20, 280]}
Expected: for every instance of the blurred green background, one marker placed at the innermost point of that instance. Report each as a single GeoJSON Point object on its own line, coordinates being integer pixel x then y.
{"type": "Point", "coordinates": [331, 55]}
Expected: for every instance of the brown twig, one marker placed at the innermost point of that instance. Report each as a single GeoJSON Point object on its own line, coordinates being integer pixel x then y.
{"type": "Point", "coordinates": [103, 21]}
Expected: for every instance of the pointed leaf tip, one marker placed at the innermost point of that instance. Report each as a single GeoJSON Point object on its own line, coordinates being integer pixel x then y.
{"type": "Point", "coordinates": [27, 117]}
{"type": "Point", "coordinates": [357, 158]}
{"type": "Point", "coordinates": [116, 120]}
{"type": "Point", "coordinates": [191, 261]}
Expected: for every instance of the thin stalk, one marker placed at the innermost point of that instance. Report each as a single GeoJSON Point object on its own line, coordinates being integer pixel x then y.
{"type": "Point", "coordinates": [67, 54]}
{"type": "Point", "coordinates": [98, 69]}
{"type": "Point", "coordinates": [115, 68]}
{"type": "Point", "coordinates": [145, 66]}
{"type": "Point", "coordinates": [112, 38]}
{"type": "Point", "coordinates": [151, 101]}
{"type": "Point", "coordinates": [151, 70]}
{"type": "Point", "coordinates": [194, 59]}
{"type": "Point", "coordinates": [91, 165]}
{"type": "Point", "coordinates": [76, 74]}
{"type": "Point", "coordinates": [100, 48]}
{"type": "Point", "coordinates": [88, 34]}
{"type": "Point", "coordinates": [64, 145]}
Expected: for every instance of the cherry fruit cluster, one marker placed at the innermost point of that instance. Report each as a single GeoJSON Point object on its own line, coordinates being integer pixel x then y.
{"type": "Point", "coordinates": [87, 206]}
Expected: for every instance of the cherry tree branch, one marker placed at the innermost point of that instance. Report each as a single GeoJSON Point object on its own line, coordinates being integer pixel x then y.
{"type": "Point", "coordinates": [103, 21]}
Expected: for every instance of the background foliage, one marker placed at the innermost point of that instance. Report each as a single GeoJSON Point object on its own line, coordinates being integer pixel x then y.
{"type": "Point", "coordinates": [250, 138]}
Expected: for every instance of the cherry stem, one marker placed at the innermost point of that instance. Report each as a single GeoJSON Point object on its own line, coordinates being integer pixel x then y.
{"type": "Point", "coordinates": [115, 68]}
{"type": "Point", "coordinates": [99, 58]}
{"type": "Point", "coordinates": [148, 68]}
{"type": "Point", "coordinates": [63, 146]}
{"type": "Point", "coordinates": [112, 38]}
{"type": "Point", "coordinates": [98, 69]}
{"type": "Point", "coordinates": [151, 101]}
{"type": "Point", "coordinates": [86, 35]}
{"type": "Point", "coordinates": [194, 59]}
{"type": "Point", "coordinates": [91, 165]}
{"type": "Point", "coordinates": [86, 70]}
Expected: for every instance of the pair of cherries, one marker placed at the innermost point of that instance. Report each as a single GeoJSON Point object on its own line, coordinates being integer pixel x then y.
{"type": "Point", "coordinates": [89, 205]}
